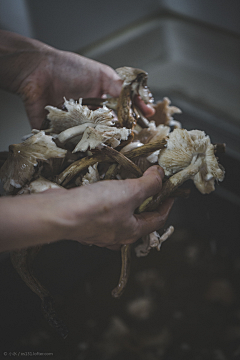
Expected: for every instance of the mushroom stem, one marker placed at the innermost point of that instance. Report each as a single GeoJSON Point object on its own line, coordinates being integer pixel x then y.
{"type": "Point", "coordinates": [124, 108]}
{"type": "Point", "coordinates": [122, 160]}
{"type": "Point", "coordinates": [141, 119]}
{"type": "Point", "coordinates": [165, 236]}
{"type": "Point", "coordinates": [111, 172]}
{"type": "Point", "coordinates": [170, 186]}
{"type": "Point", "coordinates": [125, 271]}
{"type": "Point", "coordinates": [72, 170]}
{"type": "Point", "coordinates": [72, 132]}
{"type": "Point", "coordinates": [146, 149]}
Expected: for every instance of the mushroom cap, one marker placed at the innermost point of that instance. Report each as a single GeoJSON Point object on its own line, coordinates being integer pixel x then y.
{"type": "Point", "coordinates": [164, 113]}
{"type": "Point", "coordinates": [186, 147]}
{"type": "Point", "coordinates": [130, 74]}
{"type": "Point", "coordinates": [137, 78]}
{"type": "Point", "coordinates": [23, 158]}
{"type": "Point", "coordinates": [101, 134]}
{"type": "Point", "coordinates": [39, 185]}
{"type": "Point", "coordinates": [152, 133]}
{"type": "Point", "coordinates": [77, 114]}
{"type": "Point", "coordinates": [91, 176]}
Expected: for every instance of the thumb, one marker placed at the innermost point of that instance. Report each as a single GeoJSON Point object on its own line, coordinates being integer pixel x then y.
{"type": "Point", "coordinates": [112, 83]}
{"type": "Point", "coordinates": [148, 185]}
{"type": "Point", "coordinates": [148, 222]}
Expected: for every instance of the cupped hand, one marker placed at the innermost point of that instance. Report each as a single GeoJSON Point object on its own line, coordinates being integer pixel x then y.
{"type": "Point", "coordinates": [62, 74]}
{"type": "Point", "coordinates": [43, 75]}
{"type": "Point", "coordinates": [103, 213]}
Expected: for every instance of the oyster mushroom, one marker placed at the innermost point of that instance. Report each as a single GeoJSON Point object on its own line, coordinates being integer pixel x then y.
{"type": "Point", "coordinates": [186, 148]}
{"type": "Point", "coordinates": [23, 159]}
{"type": "Point", "coordinates": [91, 176]}
{"type": "Point", "coordinates": [164, 113]}
{"type": "Point", "coordinates": [188, 155]}
{"type": "Point", "coordinates": [134, 83]}
{"type": "Point", "coordinates": [101, 134]}
{"type": "Point", "coordinates": [77, 119]}
{"type": "Point", "coordinates": [94, 126]}
{"type": "Point", "coordinates": [39, 185]}
{"type": "Point", "coordinates": [76, 114]}
{"type": "Point", "coordinates": [75, 168]}
{"type": "Point", "coordinates": [153, 134]}
{"type": "Point", "coordinates": [153, 240]}
{"type": "Point", "coordinates": [137, 78]}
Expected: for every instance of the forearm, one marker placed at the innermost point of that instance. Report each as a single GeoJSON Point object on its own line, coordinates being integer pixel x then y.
{"type": "Point", "coordinates": [27, 220]}
{"type": "Point", "coordinates": [19, 57]}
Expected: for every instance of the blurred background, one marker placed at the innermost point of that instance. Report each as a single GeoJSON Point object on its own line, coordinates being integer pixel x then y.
{"type": "Point", "coordinates": [181, 303]}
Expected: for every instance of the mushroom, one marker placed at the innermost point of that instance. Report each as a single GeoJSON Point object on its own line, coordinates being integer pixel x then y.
{"type": "Point", "coordinates": [137, 78]}
{"type": "Point", "coordinates": [134, 83]}
{"type": "Point", "coordinates": [23, 159]}
{"type": "Point", "coordinates": [153, 134]}
{"type": "Point", "coordinates": [94, 126]}
{"type": "Point", "coordinates": [163, 113]}
{"type": "Point", "coordinates": [91, 176]}
{"type": "Point", "coordinates": [183, 155]}
{"type": "Point", "coordinates": [75, 115]}
{"type": "Point", "coordinates": [153, 240]}
{"type": "Point", "coordinates": [39, 185]}
{"type": "Point", "coordinates": [188, 155]}
{"type": "Point", "coordinates": [187, 148]}
{"type": "Point", "coordinates": [75, 168]}
{"type": "Point", "coordinates": [101, 134]}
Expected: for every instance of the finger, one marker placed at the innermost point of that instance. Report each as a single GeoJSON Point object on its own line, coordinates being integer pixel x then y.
{"type": "Point", "coordinates": [146, 109]}
{"type": "Point", "coordinates": [115, 87]}
{"type": "Point", "coordinates": [148, 185]}
{"type": "Point", "coordinates": [112, 83]}
{"type": "Point", "coordinates": [151, 221]}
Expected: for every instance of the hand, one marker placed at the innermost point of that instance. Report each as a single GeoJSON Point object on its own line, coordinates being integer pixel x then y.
{"type": "Point", "coordinates": [101, 214]}
{"type": "Point", "coordinates": [43, 75]}
{"type": "Point", "coordinates": [65, 74]}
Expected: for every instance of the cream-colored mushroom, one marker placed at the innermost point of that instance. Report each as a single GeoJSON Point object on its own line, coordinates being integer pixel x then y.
{"type": "Point", "coordinates": [76, 114]}
{"type": "Point", "coordinates": [91, 176]}
{"type": "Point", "coordinates": [138, 80]}
{"type": "Point", "coordinates": [164, 113]}
{"type": "Point", "coordinates": [101, 134]}
{"type": "Point", "coordinates": [192, 152]}
{"type": "Point", "coordinates": [39, 185]}
{"type": "Point", "coordinates": [153, 240]}
{"type": "Point", "coordinates": [154, 134]}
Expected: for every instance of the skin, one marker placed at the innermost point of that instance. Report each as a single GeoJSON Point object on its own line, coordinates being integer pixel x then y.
{"type": "Point", "coordinates": [43, 75]}
{"type": "Point", "coordinates": [102, 213]}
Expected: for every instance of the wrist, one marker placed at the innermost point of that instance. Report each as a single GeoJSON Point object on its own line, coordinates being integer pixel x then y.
{"type": "Point", "coordinates": [27, 220]}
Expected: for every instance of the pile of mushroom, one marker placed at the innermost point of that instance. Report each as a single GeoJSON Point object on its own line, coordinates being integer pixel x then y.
{"type": "Point", "coordinates": [78, 146]}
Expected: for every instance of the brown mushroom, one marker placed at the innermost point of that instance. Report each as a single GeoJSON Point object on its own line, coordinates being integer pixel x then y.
{"type": "Point", "coordinates": [23, 159]}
